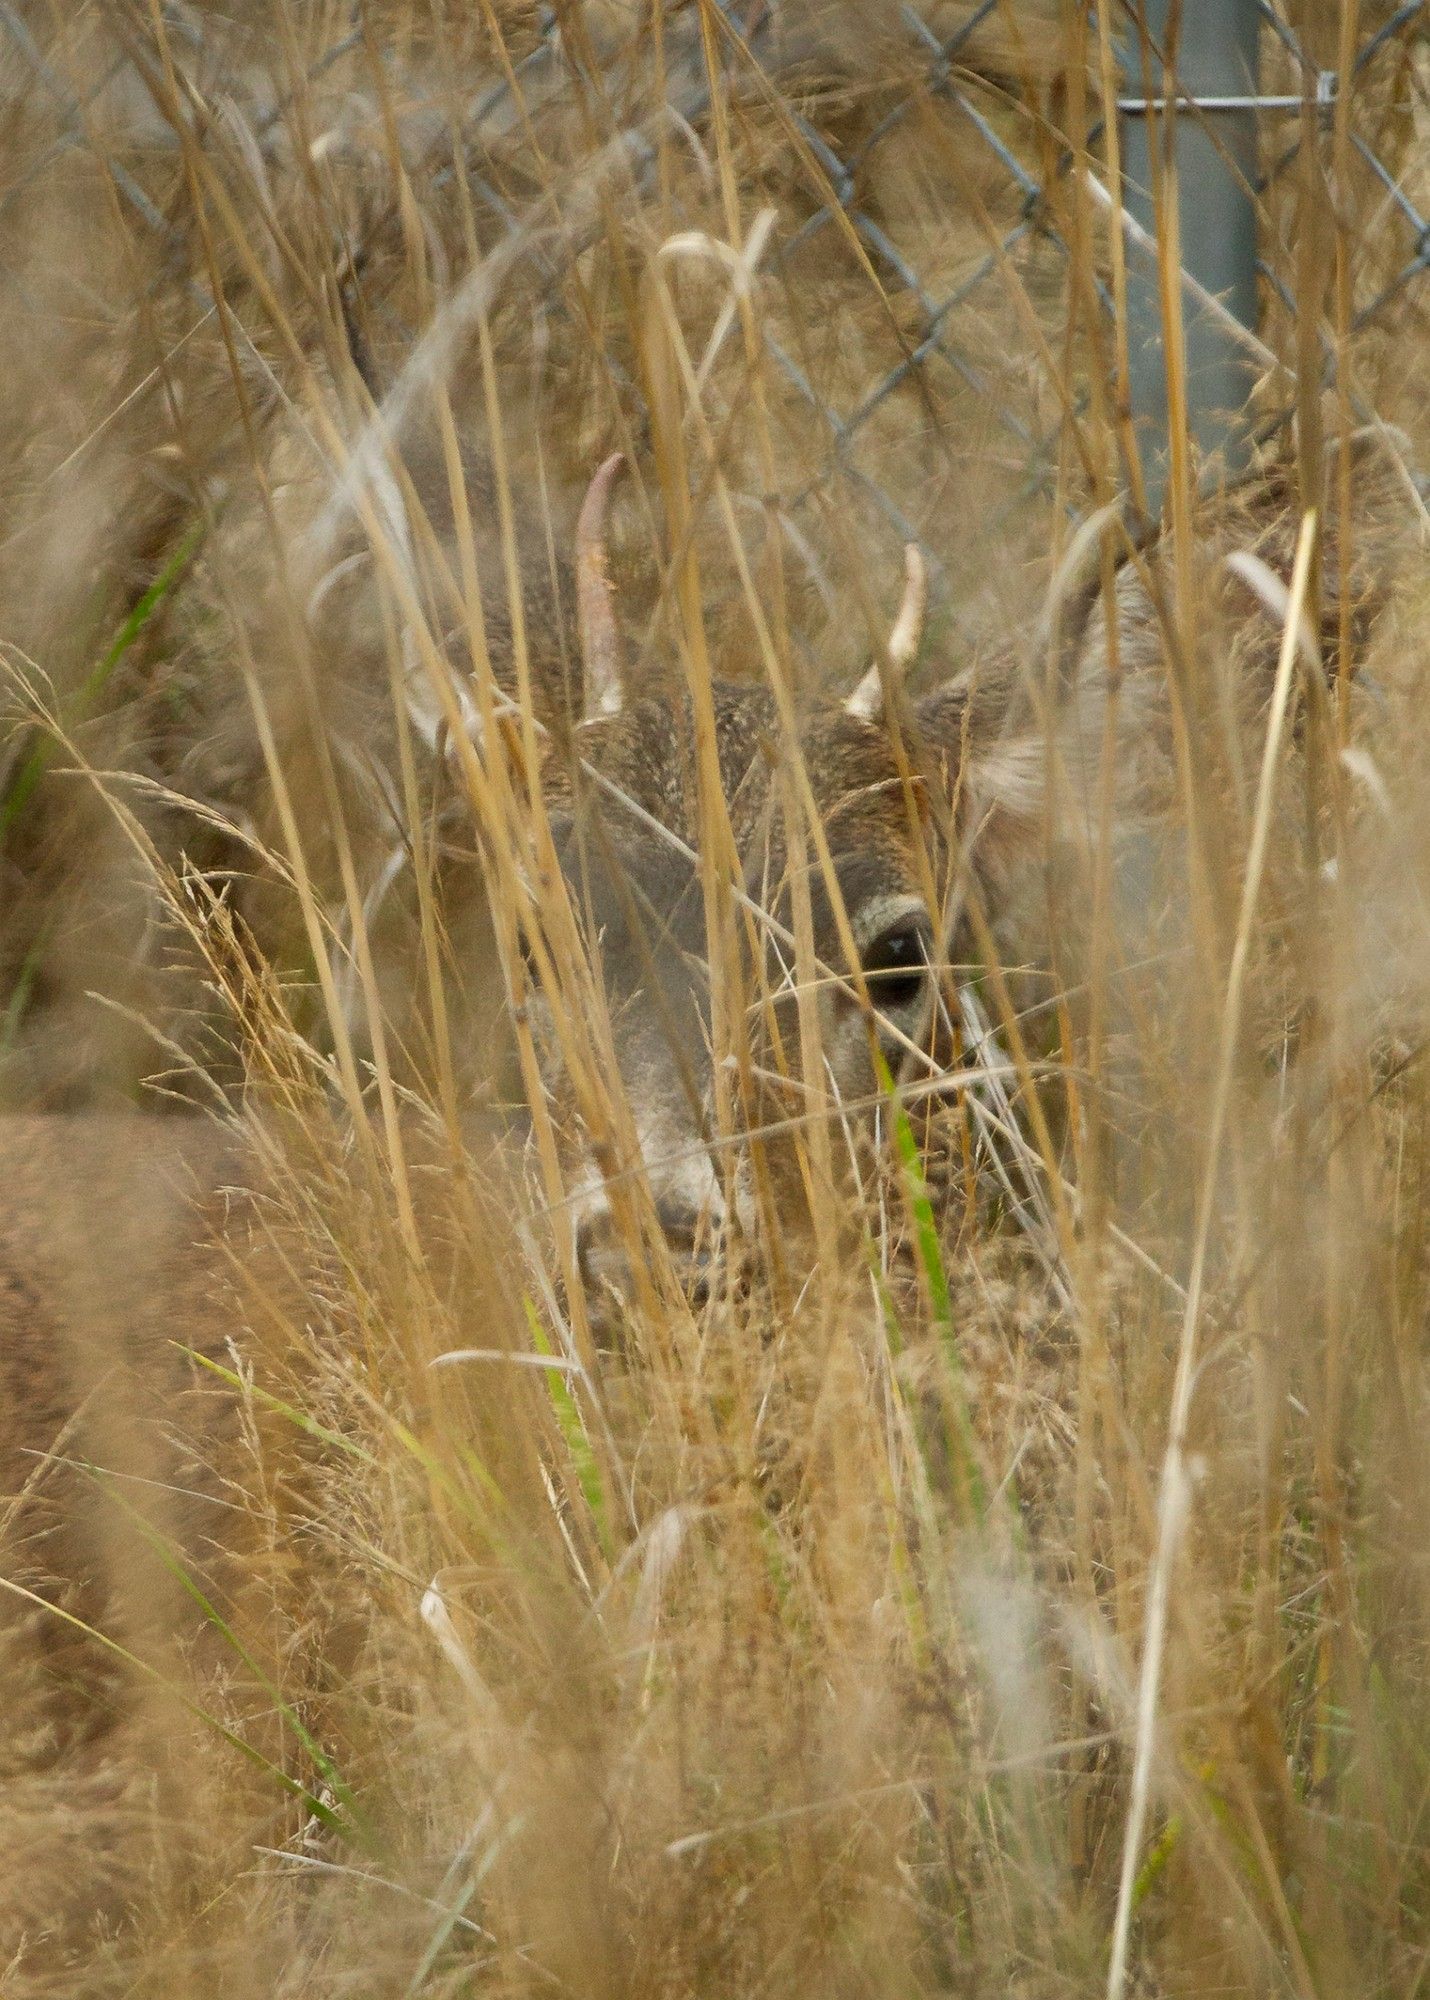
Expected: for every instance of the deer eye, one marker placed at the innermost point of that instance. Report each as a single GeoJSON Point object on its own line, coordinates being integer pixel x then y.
{"type": "Point", "coordinates": [896, 964]}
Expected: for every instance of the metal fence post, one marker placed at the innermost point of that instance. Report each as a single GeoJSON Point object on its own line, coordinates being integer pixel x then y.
{"type": "Point", "coordinates": [1215, 84]}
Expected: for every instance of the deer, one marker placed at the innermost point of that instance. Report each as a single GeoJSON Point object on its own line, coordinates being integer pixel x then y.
{"type": "Point", "coordinates": [893, 829]}
{"type": "Point", "coordinates": [910, 805]}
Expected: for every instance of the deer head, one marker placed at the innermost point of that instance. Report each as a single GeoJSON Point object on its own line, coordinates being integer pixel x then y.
{"type": "Point", "coordinates": [853, 825]}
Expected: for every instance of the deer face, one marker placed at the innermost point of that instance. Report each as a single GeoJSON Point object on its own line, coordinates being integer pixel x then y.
{"type": "Point", "coordinates": [828, 911]}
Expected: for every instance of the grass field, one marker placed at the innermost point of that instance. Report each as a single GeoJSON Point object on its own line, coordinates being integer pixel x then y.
{"type": "Point", "coordinates": [1008, 1574]}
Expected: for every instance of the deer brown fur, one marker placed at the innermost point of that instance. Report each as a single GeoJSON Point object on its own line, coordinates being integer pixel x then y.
{"type": "Point", "coordinates": [126, 1243]}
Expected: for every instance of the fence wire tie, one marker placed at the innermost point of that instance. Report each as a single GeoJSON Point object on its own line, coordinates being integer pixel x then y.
{"type": "Point", "coordinates": [1323, 98]}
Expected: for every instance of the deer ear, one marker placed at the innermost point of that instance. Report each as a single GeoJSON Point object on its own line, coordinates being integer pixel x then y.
{"type": "Point", "coordinates": [991, 774]}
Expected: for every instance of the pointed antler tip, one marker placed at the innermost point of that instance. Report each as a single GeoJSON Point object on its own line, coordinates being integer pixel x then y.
{"type": "Point", "coordinates": [600, 634]}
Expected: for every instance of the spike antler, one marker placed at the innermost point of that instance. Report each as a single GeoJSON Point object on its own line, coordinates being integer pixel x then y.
{"type": "Point", "coordinates": [867, 700]}
{"type": "Point", "coordinates": [601, 654]}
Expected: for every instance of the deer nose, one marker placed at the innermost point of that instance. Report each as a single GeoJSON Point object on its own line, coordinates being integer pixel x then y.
{"type": "Point", "coordinates": [604, 1257]}
{"type": "Point", "coordinates": [689, 1237]}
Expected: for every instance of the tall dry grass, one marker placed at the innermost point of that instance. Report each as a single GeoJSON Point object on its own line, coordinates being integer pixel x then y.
{"type": "Point", "coordinates": [1011, 1579]}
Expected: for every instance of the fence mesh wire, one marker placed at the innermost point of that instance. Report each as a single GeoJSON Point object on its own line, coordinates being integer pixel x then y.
{"type": "Point", "coordinates": [982, 330]}
{"type": "Point", "coordinates": [1385, 101]}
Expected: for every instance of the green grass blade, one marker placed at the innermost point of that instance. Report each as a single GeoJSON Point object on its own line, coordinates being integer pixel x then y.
{"type": "Point", "coordinates": [929, 1250]}
{"type": "Point", "coordinates": [572, 1426]}
{"type": "Point", "coordinates": [269, 1401]}
{"type": "Point", "coordinates": [33, 767]}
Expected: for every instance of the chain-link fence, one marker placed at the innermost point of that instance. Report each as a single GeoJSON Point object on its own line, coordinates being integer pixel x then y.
{"type": "Point", "coordinates": [1377, 108]}
{"type": "Point", "coordinates": [1366, 103]}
